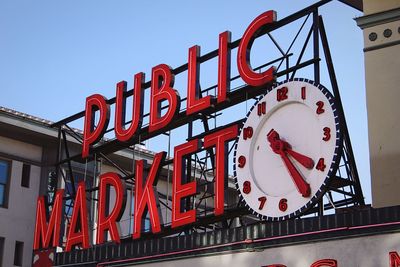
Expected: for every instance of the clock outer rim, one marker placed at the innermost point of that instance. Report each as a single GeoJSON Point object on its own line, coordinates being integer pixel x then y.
{"type": "Point", "coordinates": [335, 161]}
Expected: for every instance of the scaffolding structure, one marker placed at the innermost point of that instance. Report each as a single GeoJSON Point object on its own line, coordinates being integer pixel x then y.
{"type": "Point", "coordinates": [344, 189]}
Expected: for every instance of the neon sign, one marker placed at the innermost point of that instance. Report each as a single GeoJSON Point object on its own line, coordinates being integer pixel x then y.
{"type": "Point", "coordinates": [47, 229]}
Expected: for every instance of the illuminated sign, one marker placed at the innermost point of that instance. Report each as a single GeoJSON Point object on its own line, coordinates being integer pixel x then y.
{"type": "Point", "coordinates": [162, 82]}
{"type": "Point", "coordinates": [47, 229]}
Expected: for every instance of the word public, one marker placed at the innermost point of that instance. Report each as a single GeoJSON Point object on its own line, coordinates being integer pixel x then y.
{"type": "Point", "coordinates": [47, 228]}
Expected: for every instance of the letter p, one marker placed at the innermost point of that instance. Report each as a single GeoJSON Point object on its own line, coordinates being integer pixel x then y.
{"type": "Point", "coordinates": [92, 134]}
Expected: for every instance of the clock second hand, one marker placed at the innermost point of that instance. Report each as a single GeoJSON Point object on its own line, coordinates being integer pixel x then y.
{"type": "Point", "coordinates": [281, 148]}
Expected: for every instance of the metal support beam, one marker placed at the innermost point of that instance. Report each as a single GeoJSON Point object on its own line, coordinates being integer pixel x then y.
{"type": "Point", "coordinates": [357, 4]}
{"type": "Point", "coordinates": [345, 131]}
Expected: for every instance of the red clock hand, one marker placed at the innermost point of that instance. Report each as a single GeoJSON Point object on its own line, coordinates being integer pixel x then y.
{"type": "Point", "coordinates": [302, 186]}
{"type": "Point", "coordinates": [303, 160]}
{"type": "Point", "coordinates": [280, 147]}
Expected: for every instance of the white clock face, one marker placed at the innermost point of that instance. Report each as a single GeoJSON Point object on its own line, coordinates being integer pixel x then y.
{"type": "Point", "coordinates": [287, 150]}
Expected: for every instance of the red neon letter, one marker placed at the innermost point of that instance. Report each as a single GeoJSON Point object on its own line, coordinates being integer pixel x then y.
{"type": "Point", "coordinates": [121, 133]}
{"type": "Point", "coordinates": [224, 65]}
{"type": "Point", "coordinates": [394, 259]}
{"type": "Point", "coordinates": [195, 103]}
{"type": "Point", "coordinates": [91, 135]}
{"type": "Point", "coordinates": [219, 140]}
{"type": "Point", "coordinates": [43, 230]}
{"type": "Point", "coordinates": [325, 263]}
{"type": "Point", "coordinates": [243, 59]}
{"type": "Point", "coordinates": [180, 190]}
{"type": "Point", "coordinates": [162, 82]}
{"type": "Point", "coordinates": [79, 212]}
{"type": "Point", "coordinates": [108, 223]}
{"type": "Point", "coordinates": [145, 198]}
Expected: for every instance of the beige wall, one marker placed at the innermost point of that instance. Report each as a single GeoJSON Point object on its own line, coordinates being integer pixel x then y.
{"type": "Point", "coordinates": [374, 6]}
{"type": "Point", "coordinates": [384, 125]}
{"type": "Point", "coordinates": [17, 221]}
{"type": "Point", "coordinates": [20, 149]}
{"type": "Point", "coordinates": [382, 65]}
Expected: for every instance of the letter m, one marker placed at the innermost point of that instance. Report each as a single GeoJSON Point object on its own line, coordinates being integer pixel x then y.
{"type": "Point", "coordinates": [44, 231]}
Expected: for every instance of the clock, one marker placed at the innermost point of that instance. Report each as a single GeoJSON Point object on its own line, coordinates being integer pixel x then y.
{"type": "Point", "coordinates": [288, 149]}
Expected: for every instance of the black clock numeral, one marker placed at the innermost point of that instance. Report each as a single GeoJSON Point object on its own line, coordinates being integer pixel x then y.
{"type": "Point", "coordinates": [262, 200]}
{"type": "Point", "coordinates": [261, 108]}
{"type": "Point", "coordinates": [303, 93]}
{"type": "Point", "coordinates": [241, 161]}
{"type": "Point", "coordinates": [327, 134]}
{"type": "Point", "coordinates": [281, 93]}
{"type": "Point", "coordinates": [320, 107]}
{"type": "Point", "coordinates": [246, 187]}
{"type": "Point", "coordinates": [283, 204]}
{"type": "Point", "coordinates": [247, 133]}
{"type": "Point", "coordinates": [321, 165]}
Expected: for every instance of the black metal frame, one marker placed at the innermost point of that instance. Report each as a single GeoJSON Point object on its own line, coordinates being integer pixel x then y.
{"type": "Point", "coordinates": [344, 189]}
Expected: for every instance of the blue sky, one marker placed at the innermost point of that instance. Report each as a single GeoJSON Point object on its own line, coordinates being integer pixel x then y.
{"type": "Point", "coordinates": [56, 53]}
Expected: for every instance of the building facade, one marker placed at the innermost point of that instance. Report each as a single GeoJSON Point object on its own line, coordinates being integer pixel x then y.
{"type": "Point", "coordinates": [23, 179]}
{"type": "Point", "coordinates": [28, 154]}
{"type": "Point", "coordinates": [381, 27]}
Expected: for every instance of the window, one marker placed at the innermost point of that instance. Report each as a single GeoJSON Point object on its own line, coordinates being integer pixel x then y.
{"type": "Point", "coordinates": [1, 250]}
{"type": "Point", "coordinates": [26, 173]}
{"type": "Point", "coordinates": [78, 177]}
{"type": "Point", "coordinates": [4, 177]}
{"type": "Point", "coordinates": [18, 253]}
{"type": "Point", "coordinates": [145, 221]}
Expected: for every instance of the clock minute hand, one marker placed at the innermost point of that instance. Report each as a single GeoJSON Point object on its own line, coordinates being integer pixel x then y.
{"type": "Point", "coordinates": [302, 186]}
{"type": "Point", "coordinates": [280, 147]}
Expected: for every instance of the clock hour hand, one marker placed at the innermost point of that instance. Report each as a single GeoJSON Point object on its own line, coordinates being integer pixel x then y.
{"type": "Point", "coordinates": [280, 147]}
{"type": "Point", "coordinates": [302, 159]}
